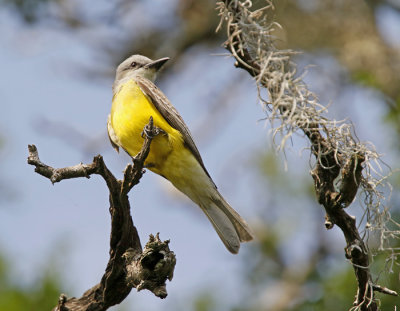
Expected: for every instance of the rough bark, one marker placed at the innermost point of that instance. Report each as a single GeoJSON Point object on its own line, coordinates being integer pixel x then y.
{"type": "Point", "coordinates": [330, 171]}
{"type": "Point", "coordinates": [129, 266]}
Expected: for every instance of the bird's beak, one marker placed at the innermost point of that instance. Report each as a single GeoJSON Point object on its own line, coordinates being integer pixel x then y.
{"type": "Point", "coordinates": [157, 64]}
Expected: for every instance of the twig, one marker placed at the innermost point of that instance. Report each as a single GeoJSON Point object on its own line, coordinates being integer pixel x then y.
{"type": "Point", "coordinates": [152, 266]}
{"type": "Point", "coordinates": [384, 290]}
{"type": "Point", "coordinates": [58, 174]}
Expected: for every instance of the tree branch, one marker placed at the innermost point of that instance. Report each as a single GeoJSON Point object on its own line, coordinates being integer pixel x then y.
{"type": "Point", "coordinates": [128, 266]}
{"type": "Point", "coordinates": [336, 177]}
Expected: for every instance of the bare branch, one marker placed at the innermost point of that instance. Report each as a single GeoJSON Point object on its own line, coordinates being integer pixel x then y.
{"type": "Point", "coordinates": [56, 175]}
{"type": "Point", "coordinates": [129, 266]}
{"type": "Point", "coordinates": [384, 290]}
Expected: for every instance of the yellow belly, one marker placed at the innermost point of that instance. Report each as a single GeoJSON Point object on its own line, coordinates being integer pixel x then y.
{"type": "Point", "coordinates": [168, 156]}
{"type": "Point", "coordinates": [130, 112]}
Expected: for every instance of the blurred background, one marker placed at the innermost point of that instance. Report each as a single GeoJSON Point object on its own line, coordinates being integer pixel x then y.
{"type": "Point", "coordinates": [57, 60]}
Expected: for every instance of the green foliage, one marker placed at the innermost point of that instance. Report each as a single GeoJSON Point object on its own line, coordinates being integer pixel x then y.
{"type": "Point", "coordinates": [204, 302]}
{"type": "Point", "coordinates": [334, 291]}
{"type": "Point", "coordinates": [40, 295]}
{"type": "Point", "coordinates": [271, 168]}
{"type": "Point", "coordinates": [366, 78]}
{"type": "Point", "coordinates": [393, 116]}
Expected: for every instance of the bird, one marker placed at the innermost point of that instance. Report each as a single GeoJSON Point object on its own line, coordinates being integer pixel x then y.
{"type": "Point", "coordinates": [173, 153]}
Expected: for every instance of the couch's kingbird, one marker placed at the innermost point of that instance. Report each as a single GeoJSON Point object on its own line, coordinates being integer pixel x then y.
{"type": "Point", "coordinates": [173, 153]}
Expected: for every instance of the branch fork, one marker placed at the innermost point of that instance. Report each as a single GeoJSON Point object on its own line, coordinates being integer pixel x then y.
{"type": "Point", "coordinates": [129, 265]}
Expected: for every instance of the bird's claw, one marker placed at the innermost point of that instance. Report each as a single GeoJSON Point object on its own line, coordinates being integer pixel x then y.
{"type": "Point", "coordinates": [151, 132]}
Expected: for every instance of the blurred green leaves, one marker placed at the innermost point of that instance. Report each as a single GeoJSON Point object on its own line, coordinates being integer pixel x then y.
{"type": "Point", "coordinates": [271, 169]}
{"type": "Point", "coordinates": [42, 294]}
{"type": "Point", "coordinates": [366, 78]}
{"type": "Point", "coordinates": [204, 302]}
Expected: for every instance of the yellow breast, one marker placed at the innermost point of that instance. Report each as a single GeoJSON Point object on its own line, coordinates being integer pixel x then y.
{"type": "Point", "coordinates": [130, 112]}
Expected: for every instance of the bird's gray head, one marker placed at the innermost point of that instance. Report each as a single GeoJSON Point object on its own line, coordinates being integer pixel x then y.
{"type": "Point", "coordinates": [138, 65]}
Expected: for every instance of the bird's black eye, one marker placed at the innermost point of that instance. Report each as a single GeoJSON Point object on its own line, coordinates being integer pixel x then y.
{"type": "Point", "coordinates": [134, 64]}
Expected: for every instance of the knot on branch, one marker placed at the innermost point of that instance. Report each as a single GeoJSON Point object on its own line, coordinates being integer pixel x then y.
{"type": "Point", "coordinates": [348, 180]}
{"type": "Point", "coordinates": [150, 269]}
{"type": "Point", "coordinates": [61, 301]}
{"type": "Point", "coordinates": [336, 185]}
{"type": "Point", "coordinates": [355, 251]}
{"type": "Point", "coordinates": [328, 222]}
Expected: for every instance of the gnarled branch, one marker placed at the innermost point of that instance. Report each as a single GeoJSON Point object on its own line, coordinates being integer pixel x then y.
{"type": "Point", "coordinates": [337, 176]}
{"type": "Point", "coordinates": [129, 266]}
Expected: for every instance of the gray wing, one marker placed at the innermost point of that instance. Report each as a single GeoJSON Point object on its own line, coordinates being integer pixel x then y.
{"type": "Point", "coordinates": [171, 115]}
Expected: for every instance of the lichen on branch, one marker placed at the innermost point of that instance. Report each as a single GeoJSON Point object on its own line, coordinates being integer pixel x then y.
{"type": "Point", "coordinates": [342, 165]}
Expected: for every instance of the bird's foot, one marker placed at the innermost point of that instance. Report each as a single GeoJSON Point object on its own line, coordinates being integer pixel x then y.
{"type": "Point", "coordinates": [151, 131]}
